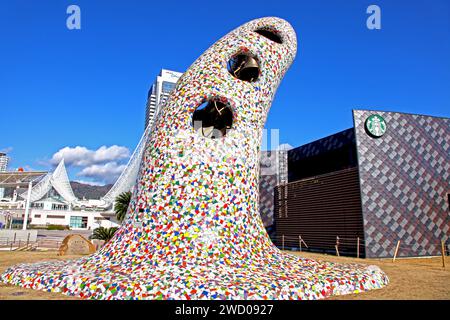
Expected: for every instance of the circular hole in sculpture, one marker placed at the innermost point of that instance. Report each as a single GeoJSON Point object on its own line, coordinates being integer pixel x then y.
{"type": "Point", "coordinates": [212, 119]}
{"type": "Point", "coordinates": [270, 34]}
{"type": "Point", "coordinates": [244, 67]}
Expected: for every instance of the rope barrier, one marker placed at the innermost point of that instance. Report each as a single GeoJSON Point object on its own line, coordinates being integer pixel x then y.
{"type": "Point", "coordinates": [352, 246]}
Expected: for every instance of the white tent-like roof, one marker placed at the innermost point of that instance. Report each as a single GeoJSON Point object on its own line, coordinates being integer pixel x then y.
{"type": "Point", "coordinates": [57, 179]}
{"type": "Point", "coordinates": [129, 175]}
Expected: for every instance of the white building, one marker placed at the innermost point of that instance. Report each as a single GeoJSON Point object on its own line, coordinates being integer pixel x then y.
{"type": "Point", "coordinates": [75, 219]}
{"type": "Point", "coordinates": [159, 92]}
{"type": "Point", "coordinates": [3, 164]}
{"type": "Point", "coordinates": [52, 202]}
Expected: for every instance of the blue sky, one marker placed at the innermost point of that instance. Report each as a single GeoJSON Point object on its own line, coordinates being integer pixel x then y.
{"type": "Point", "coordinates": [62, 88]}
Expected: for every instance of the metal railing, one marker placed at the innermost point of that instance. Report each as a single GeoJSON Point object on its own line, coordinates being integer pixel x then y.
{"type": "Point", "coordinates": [6, 243]}
{"type": "Point", "coordinates": [355, 247]}
{"type": "Point", "coordinates": [338, 245]}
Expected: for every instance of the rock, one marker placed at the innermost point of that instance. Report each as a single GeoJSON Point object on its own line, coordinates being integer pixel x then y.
{"type": "Point", "coordinates": [76, 244]}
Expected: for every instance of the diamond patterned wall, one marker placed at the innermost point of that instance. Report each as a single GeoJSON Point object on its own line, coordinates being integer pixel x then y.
{"type": "Point", "coordinates": [266, 203]}
{"type": "Point", "coordinates": [405, 179]}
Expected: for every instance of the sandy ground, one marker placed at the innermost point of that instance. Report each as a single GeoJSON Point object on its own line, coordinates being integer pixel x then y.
{"type": "Point", "coordinates": [419, 278]}
{"type": "Point", "coordinates": [9, 292]}
{"type": "Point", "coordinates": [409, 279]}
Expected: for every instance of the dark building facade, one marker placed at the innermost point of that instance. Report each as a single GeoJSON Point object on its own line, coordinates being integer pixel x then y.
{"type": "Point", "coordinates": [313, 158]}
{"type": "Point", "coordinates": [385, 180]}
{"type": "Point", "coordinates": [272, 173]}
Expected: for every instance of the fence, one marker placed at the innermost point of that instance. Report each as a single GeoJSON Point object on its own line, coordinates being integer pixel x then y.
{"type": "Point", "coordinates": [339, 246]}
{"type": "Point", "coordinates": [403, 249]}
{"type": "Point", "coordinates": [354, 247]}
{"type": "Point", "coordinates": [14, 244]}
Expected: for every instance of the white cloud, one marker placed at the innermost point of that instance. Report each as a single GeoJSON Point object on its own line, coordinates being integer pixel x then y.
{"type": "Point", "coordinates": [83, 157]}
{"type": "Point", "coordinates": [285, 146]}
{"type": "Point", "coordinates": [102, 166]}
{"type": "Point", "coordinates": [28, 168]}
{"type": "Point", "coordinates": [6, 150]}
{"type": "Point", "coordinates": [92, 183]}
{"type": "Point", "coordinates": [107, 173]}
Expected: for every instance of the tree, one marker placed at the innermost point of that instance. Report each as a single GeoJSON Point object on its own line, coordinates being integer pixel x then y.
{"type": "Point", "coordinates": [102, 233]}
{"type": "Point", "coordinates": [121, 205]}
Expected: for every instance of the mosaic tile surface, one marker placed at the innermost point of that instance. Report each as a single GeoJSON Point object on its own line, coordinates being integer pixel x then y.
{"type": "Point", "coordinates": [405, 178]}
{"type": "Point", "coordinates": [193, 230]}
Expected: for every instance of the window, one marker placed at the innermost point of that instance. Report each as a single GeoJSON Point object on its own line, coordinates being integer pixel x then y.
{"type": "Point", "coordinates": [59, 207]}
{"type": "Point", "coordinates": [167, 86]}
{"type": "Point", "coordinates": [78, 222]}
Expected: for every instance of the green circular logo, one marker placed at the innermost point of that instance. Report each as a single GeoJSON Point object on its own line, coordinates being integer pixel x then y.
{"type": "Point", "coordinates": [375, 125]}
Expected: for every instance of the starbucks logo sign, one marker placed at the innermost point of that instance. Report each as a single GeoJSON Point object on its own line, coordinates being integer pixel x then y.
{"type": "Point", "coordinates": [375, 125]}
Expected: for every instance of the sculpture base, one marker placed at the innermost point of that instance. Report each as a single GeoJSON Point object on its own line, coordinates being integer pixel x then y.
{"type": "Point", "coordinates": [282, 276]}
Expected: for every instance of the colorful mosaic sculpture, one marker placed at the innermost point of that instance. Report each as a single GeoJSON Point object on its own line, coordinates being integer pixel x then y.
{"type": "Point", "coordinates": [193, 230]}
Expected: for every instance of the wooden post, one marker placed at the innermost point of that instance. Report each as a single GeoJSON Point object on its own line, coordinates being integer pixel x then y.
{"type": "Point", "coordinates": [28, 239]}
{"type": "Point", "coordinates": [15, 236]}
{"type": "Point", "coordinates": [304, 243]}
{"type": "Point", "coordinates": [300, 242]}
{"type": "Point", "coordinates": [282, 241]}
{"type": "Point", "coordinates": [357, 248]}
{"type": "Point", "coordinates": [443, 254]}
{"type": "Point", "coordinates": [337, 246]}
{"type": "Point", "coordinates": [396, 251]}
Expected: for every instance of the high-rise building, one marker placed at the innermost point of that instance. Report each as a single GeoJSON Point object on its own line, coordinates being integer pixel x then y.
{"type": "Point", "coordinates": [3, 164]}
{"type": "Point", "coordinates": [159, 92]}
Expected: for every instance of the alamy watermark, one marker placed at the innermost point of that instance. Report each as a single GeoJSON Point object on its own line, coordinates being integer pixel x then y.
{"type": "Point", "coordinates": [219, 150]}
{"type": "Point", "coordinates": [73, 21]}
{"type": "Point", "coordinates": [374, 20]}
